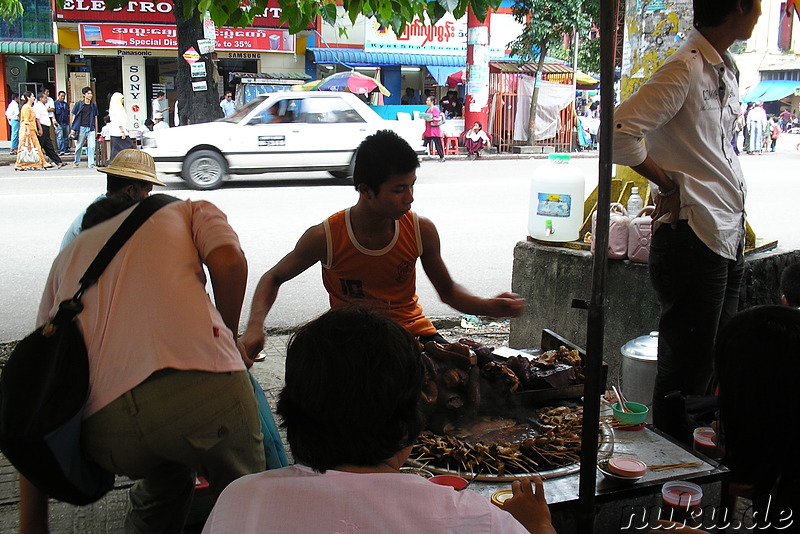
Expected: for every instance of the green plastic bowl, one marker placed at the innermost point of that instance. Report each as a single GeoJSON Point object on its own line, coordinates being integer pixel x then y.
{"type": "Point", "coordinates": [631, 419]}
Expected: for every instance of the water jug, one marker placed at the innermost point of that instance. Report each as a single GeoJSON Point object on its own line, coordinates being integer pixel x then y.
{"type": "Point", "coordinates": [556, 204]}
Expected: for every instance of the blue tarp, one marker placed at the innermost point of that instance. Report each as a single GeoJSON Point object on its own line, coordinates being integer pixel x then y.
{"type": "Point", "coordinates": [770, 90]}
{"type": "Point", "coordinates": [440, 74]}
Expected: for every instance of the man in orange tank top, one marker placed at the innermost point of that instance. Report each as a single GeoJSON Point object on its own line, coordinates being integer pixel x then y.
{"type": "Point", "coordinates": [369, 251]}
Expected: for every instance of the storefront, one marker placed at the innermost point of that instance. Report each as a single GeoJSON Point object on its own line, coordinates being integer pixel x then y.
{"type": "Point", "coordinates": [133, 50]}
{"type": "Point", "coordinates": [421, 58]}
{"type": "Point", "coordinates": [27, 50]}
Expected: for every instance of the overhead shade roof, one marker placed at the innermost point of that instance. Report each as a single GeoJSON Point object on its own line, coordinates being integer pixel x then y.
{"type": "Point", "coordinates": [28, 47]}
{"type": "Point", "coordinates": [356, 57]}
{"type": "Point", "coordinates": [769, 90]}
{"type": "Point", "coordinates": [440, 74]}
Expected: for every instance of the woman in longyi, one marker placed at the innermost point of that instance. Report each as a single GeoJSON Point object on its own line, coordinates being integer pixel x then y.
{"type": "Point", "coordinates": [29, 154]}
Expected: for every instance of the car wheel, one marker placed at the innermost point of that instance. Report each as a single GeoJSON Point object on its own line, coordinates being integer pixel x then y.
{"type": "Point", "coordinates": [342, 175]}
{"type": "Point", "coordinates": [204, 169]}
{"type": "Point", "coordinates": [348, 174]}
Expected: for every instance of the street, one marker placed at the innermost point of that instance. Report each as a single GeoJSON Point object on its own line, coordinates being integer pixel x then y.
{"type": "Point", "coordinates": [479, 207]}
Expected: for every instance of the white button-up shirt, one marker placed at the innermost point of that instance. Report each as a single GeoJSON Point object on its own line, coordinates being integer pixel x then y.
{"type": "Point", "coordinates": [686, 115]}
{"type": "Point", "coordinates": [40, 110]}
{"type": "Point", "coordinates": [12, 111]}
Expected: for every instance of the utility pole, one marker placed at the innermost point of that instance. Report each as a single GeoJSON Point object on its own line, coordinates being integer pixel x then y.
{"type": "Point", "coordinates": [476, 94]}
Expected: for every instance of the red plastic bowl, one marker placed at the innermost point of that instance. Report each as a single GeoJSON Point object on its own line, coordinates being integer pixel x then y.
{"type": "Point", "coordinates": [453, 481]}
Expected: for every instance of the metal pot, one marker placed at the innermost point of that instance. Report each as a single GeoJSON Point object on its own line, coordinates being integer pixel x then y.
{"type": "Point", "coordinates": [639, 364]}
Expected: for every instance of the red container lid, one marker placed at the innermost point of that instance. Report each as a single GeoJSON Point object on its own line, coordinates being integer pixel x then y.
{"type": "Point", "coordinates": [457, 483]}
{"type": "Point", "coordinates": [627, 467]}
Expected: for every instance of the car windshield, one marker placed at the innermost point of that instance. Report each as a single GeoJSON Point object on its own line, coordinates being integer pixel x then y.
{"type": "Point", "coordinates": [245, 110]}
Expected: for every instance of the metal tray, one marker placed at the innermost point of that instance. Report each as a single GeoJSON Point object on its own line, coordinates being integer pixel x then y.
{"type": "Point", "coordinates": [604, 451]}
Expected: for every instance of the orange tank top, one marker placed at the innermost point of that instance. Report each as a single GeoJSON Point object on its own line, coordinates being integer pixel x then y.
{"type": "Point", "coordinates": [383, 280]}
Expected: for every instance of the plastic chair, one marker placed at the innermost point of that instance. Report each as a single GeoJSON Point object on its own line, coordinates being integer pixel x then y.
{"type": "Point", "coordinates": [451, 146]}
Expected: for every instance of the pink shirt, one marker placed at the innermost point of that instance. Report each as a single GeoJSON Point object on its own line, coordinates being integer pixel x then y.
{"type": "Point", "coordinates": [297, 500]}
{"type": "Point", "coordinates": [149, 310]}
{"type": "Point", "coordinates": [430, 129]}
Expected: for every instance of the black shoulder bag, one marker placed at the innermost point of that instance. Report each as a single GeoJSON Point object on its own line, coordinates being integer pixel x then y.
{"type": "Point", "coordinates": [45, 384]}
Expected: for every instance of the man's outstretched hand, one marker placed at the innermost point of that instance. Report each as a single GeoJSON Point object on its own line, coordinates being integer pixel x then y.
{"type": "Point", "coordinates": [505, 305]}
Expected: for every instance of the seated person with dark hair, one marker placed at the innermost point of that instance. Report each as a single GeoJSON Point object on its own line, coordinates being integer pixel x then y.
{"type": "Point", "coordinates": [790, 286]}
{"type": "Point", "coordinates": [351, 410]}
{"type": "Point", "coordinates": [757, 363]}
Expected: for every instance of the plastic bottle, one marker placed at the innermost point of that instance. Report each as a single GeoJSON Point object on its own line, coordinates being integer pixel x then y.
{"type": "Point", "coordinates": [556, 203]}
{"type": "Point", "coordinates": [635, 203]}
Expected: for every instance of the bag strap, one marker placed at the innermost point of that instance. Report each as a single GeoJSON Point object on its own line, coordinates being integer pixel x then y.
{"type": "Point", "coordinates": [138, 216]}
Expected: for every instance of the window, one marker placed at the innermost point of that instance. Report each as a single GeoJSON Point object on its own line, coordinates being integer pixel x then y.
{"type": "Point", "coordinates": [35, 25]}
{"type": "Point", "coordinates": [329, 110]}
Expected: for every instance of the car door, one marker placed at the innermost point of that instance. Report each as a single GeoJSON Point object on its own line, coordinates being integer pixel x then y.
{"type": "Point", "coordinates": [332, 130]}
{"type": "Point", "coordinates": [269, 138]}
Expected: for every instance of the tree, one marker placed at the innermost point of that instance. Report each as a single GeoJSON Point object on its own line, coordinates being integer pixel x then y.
{"type": "Point", "coordinates": [545, 23]}
{"type": "Point", "coordinates": [202, 106]}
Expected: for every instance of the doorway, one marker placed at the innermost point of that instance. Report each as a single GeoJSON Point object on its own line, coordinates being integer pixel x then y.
{"type": "Point", "coordinates": [107, 78]}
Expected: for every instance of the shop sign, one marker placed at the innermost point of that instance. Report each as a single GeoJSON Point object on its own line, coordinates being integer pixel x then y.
{"type": "Point", "coordinates": [191, 56]}
{"type": "Point", "coordinates": [199, 86]}
{"type": "Point", "coordinates": [134, 90]}
{"type": "Point", "coordinates": [127, 36]}
{"type": "Point", "coordinates": [153, 36]}
{"type": "Point", "coordinates": [148, 12]}
{"type": "Point", "coordinates": [447, 37]}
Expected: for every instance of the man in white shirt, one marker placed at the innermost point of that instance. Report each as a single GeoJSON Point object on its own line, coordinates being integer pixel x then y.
{"type": "Point", "coordinates": [228, 105]}
{"type": "Point", "coordinates": [686, 114]}
{"type": "Point", "coordinates": [42, 115]}
{"type": "Point", "coordinates": [51, 112]}
{"type": "Point", "coordinates": [161, 107]}
{"type": "Point", "coordinates": [12, 114]}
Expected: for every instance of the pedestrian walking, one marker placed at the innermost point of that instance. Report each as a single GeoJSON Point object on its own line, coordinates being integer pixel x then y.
{"type": "Point", "coordinates": [118, 127]}
{"type": "Point", "coordinates": [12, 115]}
{"type": "Point", "coordinates": [45, 123]}
{"type": "Point", "coordinates": [62, 123]}
{"type": "Point", "coordinates": [29, 152]}
{"type": "Point", "coordinates": [84, 125]}
{"type": "Point", "coordinates": [433, 131]}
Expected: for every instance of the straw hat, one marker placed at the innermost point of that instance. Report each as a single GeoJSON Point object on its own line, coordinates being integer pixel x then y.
{"type": "Point", "coordinates": [134, 164]}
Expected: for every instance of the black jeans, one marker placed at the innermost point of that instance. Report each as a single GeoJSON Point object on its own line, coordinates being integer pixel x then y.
{"type": "Point", "coordinates": [437, 142]}
{"type": "Point", "coordinates": [47, 145]}
{"type": "Point", "coordinates": [698, 291]}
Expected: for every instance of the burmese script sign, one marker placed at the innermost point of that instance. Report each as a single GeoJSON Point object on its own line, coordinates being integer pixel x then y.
{"type": "Point", "coordinates": [146, 11]}
{"type": "Point", "coordinates": [165, 37]}
{"type": "Point", "coordinates": [448, 37]}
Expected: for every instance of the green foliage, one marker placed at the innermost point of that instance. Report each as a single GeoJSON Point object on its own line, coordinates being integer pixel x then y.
{"type": "Point", "coordinates": [394, 14]}
{"type": "Point", "coordinates": [11, 9]}
{"type": "Point", "coordinates": [589, 55]}
{"type": "Point", "coordinates": [545, 23]}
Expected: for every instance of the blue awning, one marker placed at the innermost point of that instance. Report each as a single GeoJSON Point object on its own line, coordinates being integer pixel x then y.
{"type": "Point", "coordinates": [769, 90]}
{"type": "Point", "coordinates": [440, 74]}
{"type": "Point", "coordinates": [355, 57]}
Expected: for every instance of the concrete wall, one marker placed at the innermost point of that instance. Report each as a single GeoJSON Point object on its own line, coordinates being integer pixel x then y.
{"type": "Point", "coordinates": [550, 277]}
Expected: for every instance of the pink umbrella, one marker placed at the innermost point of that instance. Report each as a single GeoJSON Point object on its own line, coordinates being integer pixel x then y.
{"type": "Point", "coordinates": [457, 78]}
{"type": "Point", "coordinates": [351, 81]}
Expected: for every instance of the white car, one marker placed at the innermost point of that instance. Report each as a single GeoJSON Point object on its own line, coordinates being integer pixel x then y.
{"type": "Point", "coordinates": [276, 132]}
